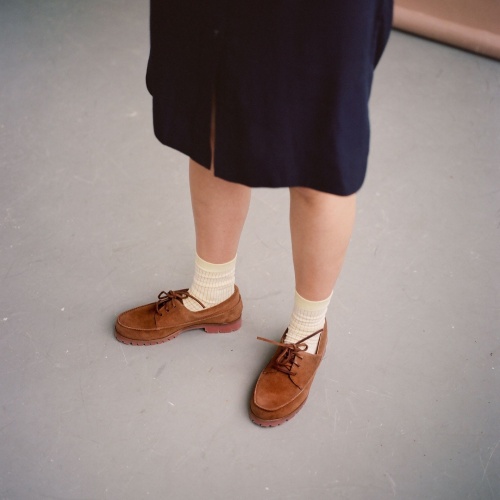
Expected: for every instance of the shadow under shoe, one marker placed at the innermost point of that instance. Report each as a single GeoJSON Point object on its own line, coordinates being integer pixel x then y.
{"type": "Point", "coordinates": [165, 319]}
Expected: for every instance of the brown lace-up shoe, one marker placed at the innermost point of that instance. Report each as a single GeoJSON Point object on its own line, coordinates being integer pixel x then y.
{"type": "Point", "coordinates": [168, 317]}
{"type": "Point", "coordinates": [283, 386]}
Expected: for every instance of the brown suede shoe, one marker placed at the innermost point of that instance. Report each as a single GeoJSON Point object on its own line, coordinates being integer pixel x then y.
{"type": "Point", "coordinates": [283, 386]}
{"type": "Point", "coordinates": [163, 320]}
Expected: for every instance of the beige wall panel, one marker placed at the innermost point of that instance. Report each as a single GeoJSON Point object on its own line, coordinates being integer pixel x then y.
{"type": "Point", "coordinates": [470, 24]}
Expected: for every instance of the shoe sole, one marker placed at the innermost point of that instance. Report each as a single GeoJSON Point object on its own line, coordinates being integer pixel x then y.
{"type": "Point", "coordinates": [278, 421]}
{"type": "Point", "coordinates": [209, 328]}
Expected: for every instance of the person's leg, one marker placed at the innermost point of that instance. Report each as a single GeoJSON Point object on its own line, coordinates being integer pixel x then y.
{"type": "Point", "coordinates": [320, 226]}
{"type": "Point", "coordinates": [212, 302]}
{"type": "Point", "coordinates": [219, 209]}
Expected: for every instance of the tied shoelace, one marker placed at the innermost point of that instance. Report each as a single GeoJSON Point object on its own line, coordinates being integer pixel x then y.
{"type": "Point", "coordinates": [290, 356]}
{"type": "Point", "coordinates": [169, 299]}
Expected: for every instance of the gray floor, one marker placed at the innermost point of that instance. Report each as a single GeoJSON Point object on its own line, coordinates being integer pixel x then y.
{"type": "Point", "coordinates": [95, 218]}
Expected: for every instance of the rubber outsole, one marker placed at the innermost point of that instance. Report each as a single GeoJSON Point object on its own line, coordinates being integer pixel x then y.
{"type": "Point", "coordinates": [279, 421]}
{"type": "Point", "coordinates": [209, 328]}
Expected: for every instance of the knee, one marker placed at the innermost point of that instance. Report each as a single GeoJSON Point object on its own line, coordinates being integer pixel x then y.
{"type": "Point", "coordinates": [308, 196]}
{"type": "Point", "coordinates": [319, 201]}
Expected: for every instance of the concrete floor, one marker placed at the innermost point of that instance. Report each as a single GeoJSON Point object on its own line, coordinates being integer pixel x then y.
{"type": "Point", "coordinates": [95, 218]}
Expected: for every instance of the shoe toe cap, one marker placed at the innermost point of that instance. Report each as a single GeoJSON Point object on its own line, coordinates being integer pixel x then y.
{"type": "Point", "coordinates": [274, 390]}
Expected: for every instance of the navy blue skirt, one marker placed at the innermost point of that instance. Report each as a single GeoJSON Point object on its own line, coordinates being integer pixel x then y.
{"type": "Point", "coordinates": [290, 80]}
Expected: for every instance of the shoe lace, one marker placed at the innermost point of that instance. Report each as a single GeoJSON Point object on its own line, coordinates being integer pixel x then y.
{"type": "Point", "coordinates": [166, 300]}
{"type": "Point", "coordinates": [290, 356]}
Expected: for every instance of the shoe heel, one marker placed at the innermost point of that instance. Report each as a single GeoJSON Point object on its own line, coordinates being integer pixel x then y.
{"type": "Point", "coordinates": [225, 328]}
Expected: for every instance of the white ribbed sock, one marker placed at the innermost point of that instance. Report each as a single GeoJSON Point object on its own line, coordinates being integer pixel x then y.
{"type": "Point", "coordinates": [307, 317]}
{"type": "Point", "coordinates": [212, 283]}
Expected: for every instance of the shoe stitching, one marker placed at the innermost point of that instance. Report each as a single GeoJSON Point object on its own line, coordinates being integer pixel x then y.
{"type": "Point", "coordinates": [164, 298]}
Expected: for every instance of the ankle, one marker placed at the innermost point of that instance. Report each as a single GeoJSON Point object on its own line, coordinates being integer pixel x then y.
{"type": "Point", "coordinates": [307, 317]}
{"type": "Point", "coordinates": [212, 283]}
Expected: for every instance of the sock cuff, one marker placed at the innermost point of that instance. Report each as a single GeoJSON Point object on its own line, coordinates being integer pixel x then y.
{"type": "Point", "coordinates": [215, 268]}
{"type": "Point", "coordinates": [311, 305]}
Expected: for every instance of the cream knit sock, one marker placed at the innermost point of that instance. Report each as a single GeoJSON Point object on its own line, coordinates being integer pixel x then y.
{"type": "Point", "coordinates": [307, 317]}
{"type": "Point", "coordinates": [212, 283]}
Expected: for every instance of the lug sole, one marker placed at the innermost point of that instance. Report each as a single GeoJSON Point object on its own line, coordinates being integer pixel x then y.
{"type": "Point", "coordinates": [209, 328]}
{"type": "Point", "coordinates": [279, 421]}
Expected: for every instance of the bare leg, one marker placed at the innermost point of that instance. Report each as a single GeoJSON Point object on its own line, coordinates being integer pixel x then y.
{"type": "Point", "coordinates": [219, 209]}
{"type": "Point", "coordinates": [321, 226]}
